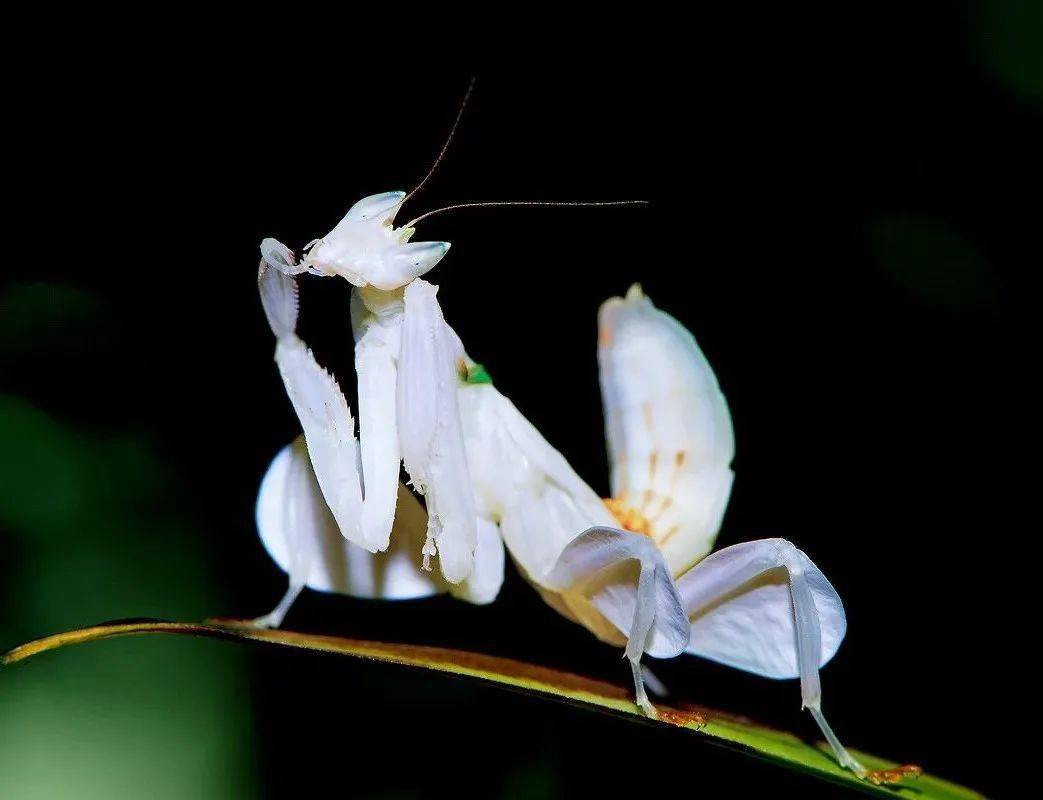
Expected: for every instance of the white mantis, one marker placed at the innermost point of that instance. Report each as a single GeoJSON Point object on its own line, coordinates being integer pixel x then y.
{"type": "Point", "coordinates": [389, 307]}
{"type": "Point", "coordinates": [633, 570]}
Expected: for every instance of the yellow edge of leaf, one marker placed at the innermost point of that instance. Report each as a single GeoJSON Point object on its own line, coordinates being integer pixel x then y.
{"type": "Point", "coordinates": [776, 746]}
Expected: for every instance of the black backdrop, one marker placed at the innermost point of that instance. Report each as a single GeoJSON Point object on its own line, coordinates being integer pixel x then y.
{"type": "Point", "coordinates": [838, 219]}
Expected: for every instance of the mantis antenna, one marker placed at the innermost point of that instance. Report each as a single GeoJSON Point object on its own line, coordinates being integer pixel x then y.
{"type": "Point", "coordinates": [445, 147]}
{"type": "Point", "coordinates": [441, 155]}
{"type": "Point", "coordinates": [551, 204]}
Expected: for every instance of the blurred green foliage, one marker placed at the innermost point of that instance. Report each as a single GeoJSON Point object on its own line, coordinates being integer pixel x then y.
{"type": "Point", "coordinates": [1008, 37]}
{"type": "Point", "coordinates": [93, 527]}
{"type": "Point", "coordinates": [932, 262]}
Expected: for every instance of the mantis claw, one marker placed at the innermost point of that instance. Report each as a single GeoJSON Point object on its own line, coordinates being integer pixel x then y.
{"type": "Point", "coordinates": [640, 696]}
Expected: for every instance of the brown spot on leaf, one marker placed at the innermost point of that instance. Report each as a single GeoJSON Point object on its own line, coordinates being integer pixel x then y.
{"type": "Point", "coordinates": [894, 774]}
{"type": "Point", "coordinates": [679, 458]}
{"type": "Point", "coordinates": [682, 717]}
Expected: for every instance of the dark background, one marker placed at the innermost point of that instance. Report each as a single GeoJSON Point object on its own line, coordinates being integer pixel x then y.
{"type": "Point", "coordinates": [840, 210]}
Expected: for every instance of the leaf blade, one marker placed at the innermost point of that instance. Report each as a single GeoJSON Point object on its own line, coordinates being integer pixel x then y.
{"type": "Point", "coordinates": [717, 727]}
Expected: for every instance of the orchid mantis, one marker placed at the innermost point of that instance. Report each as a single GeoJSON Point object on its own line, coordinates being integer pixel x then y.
{"type": "Point", "coordinates": [407, 403]}
{"type": "Point", "coordinates": [406, 359]}
{"type": "Point", "coordinates": [312, 508]}
{"type": "Point", "coordinates": [633, 570]}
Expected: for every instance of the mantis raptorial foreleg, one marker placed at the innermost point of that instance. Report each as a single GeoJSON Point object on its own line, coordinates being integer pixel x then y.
{"type": "Point", "coordinates": [378, 339]}
{"type": "Point", "coordinates": [431, 433]}
{"type": "Point", "coordinates": [765, 607]}
{"type": "Point", "coordinates": [320, 405]}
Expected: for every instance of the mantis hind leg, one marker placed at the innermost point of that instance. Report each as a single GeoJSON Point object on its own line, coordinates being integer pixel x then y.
{"type": "Point", "coordinates": [645, 608]}
{"type": "Point", "coordinates": [809, 653]}
{"type": "Point", "coordinates": [739, 601]}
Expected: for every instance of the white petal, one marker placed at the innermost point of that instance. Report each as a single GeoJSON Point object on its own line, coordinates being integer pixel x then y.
{"type": "Point", "coordinates": [742, 611]}
{"type": "Point", "coordinates": [302, 537]}
{"type": "Point", "coordinates": [430, 431]}
{"type": "Point", "coordinates": [668, 428]}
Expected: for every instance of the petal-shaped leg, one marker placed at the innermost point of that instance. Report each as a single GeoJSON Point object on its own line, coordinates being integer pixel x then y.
{"type": "Point", "coordinates": [765, 608]}
{"type": "Point", "coordinates": [646, 608]}
{"type": "Point", "coordinates": [430, 431]}
{"type": "Point", "coordinates": [376, 357]}
{"type": "Point", "coordinates": [299, 532]}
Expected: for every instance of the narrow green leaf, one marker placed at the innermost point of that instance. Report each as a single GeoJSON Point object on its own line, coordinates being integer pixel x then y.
{"type": "Point", "coordinates": [717, 727]}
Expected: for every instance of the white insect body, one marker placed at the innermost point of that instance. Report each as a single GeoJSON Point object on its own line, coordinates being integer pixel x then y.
{"type": "Point", "coordinates": [405, 363]}
{"type": "Point", "coordinates": [406, 360]}
{"type": "Point", "coordinates": [760, 606]}
{"type": "Point", "coordinates": [633, 569]}
{"type": "Point", "coordinates": [333, 514]}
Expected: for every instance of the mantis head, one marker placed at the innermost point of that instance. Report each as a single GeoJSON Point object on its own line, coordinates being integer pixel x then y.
{"type": "Point", "coordinates": [364, 248]}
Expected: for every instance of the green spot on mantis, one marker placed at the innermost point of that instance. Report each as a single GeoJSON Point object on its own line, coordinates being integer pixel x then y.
{"type": "Point", "coordinates": [476, 374]}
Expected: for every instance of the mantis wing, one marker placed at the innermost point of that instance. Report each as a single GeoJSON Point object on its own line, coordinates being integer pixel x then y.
{"type": "Point", "coordinates": [669, 432]}
{"type": "Point", "coordinates": [764, 607]}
